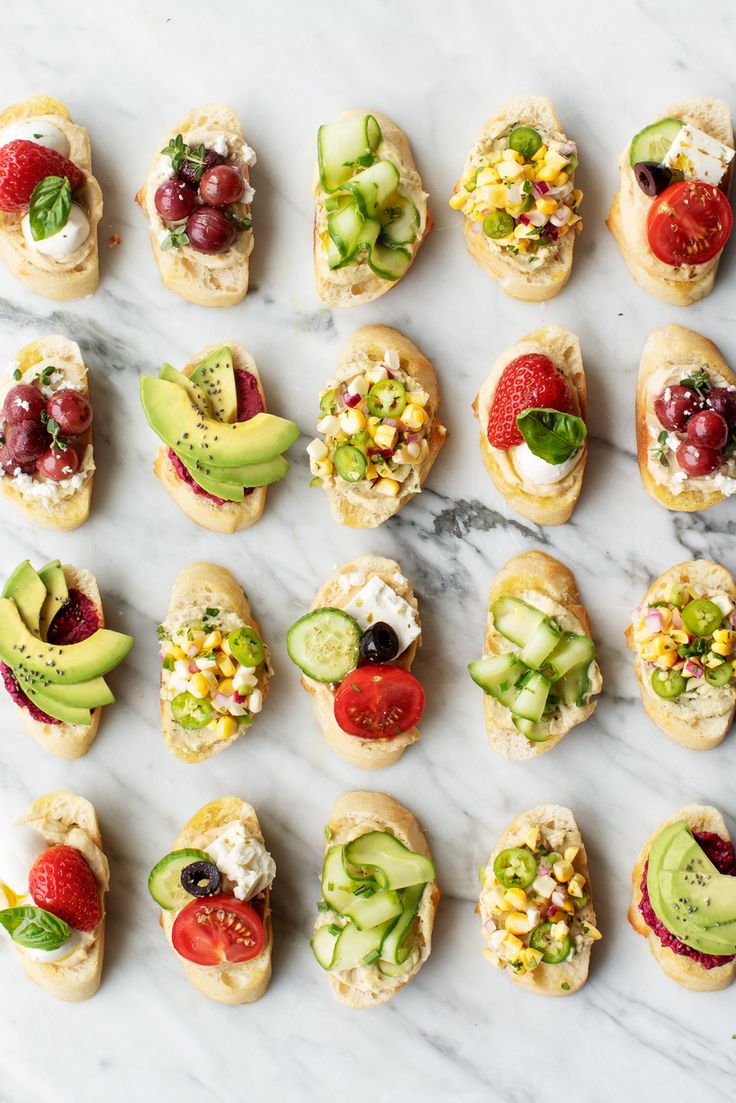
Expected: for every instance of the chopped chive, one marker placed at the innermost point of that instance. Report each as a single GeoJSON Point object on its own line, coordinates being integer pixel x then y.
{"type": "Point", "coordinates": [371, 957]}
{"type": "Point", "coordinates": [334, 929]}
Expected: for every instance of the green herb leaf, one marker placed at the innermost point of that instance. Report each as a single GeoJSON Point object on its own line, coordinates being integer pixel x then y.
{"type": "Point", "coordinates": [364, 890]}
{"type": "Point", "coordinates": [698, 380]}
{"type": "Point", "coordinates": [551, 435]}
{"type": "Point", "coordinates": [160, 631]}
{"type": "Point", "coordinates": [210, 613]}
{"type": "Point", "coordinates": [176, 150]}
{"type": "Point", "coordinates": [34, 928]}
{"type": "Point", "coordinates": [45, 376]}
{"type": "Point", "coordinates": [17, 374]}
{"type": "Point", "coordinates": [565, 986]}
{"type": "Point", "coordinates": [50, 205]}
{"type": "Point", "coordinates": [323, 906]}
{"type": "Point", "coordinates": [175, 239]}
{"type": "Point", "coordinates": [240, 221]}
{"type": "Point", "coordinates": [334, 929]}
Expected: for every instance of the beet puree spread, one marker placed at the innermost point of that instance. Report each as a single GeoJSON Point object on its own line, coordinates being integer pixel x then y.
{"type": "Point", "coordinates": [721, 854]}
{"type": "Point", "coordinates": [250, 403]}
{"type": "Point", "coordinates": [74, 622]}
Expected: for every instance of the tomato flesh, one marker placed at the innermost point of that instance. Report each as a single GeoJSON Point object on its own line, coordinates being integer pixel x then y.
{"type": "Point", "coordinates": [689, 223]}
{"type": "Point", "coordinates": [216, 929]}
{"type": "Point", "coordinates": [378, 701]}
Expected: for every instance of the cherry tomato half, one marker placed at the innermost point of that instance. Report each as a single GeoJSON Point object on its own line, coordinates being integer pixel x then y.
{"type": "Point", "coordinates": [216, 929]}
{"type": "Point", "coordinates": [378, 701]}
{"type": "Point", "coordinates": [689, 223]}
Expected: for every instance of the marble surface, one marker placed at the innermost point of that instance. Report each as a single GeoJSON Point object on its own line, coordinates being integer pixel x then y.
{"type": "Point", "coordinates": [461, 1030]}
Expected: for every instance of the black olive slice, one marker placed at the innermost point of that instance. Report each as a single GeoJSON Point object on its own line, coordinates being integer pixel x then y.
{"type": "Point", "coordinates": [201, 878]}
{"type": "Point", "coordinates": [379, 643]}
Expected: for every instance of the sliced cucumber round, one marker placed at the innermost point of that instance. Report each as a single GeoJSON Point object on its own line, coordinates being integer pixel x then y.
{"type": "Point", "coordinates": [400, 219]}
{"type": "Point", "coordinates": [652, 143]}
{"type": "Point", "coordinates": [325, 644]}
{"type": "Point", "coordinates": [373, 186]}
{"type": "Point", "coordinates": [164, 880]}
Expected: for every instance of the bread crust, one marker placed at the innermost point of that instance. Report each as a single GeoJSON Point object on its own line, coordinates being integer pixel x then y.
{"type": "Point", "coordinates": [684, 285]}
{"type": "Point", "coordinates": [75, 276]}
{"type": "Point", "coordinates": [202, 585]}
{"type": "Point", "coordinates": [207, 280]}
{"type": "Point", "coordinates": [63, 817]}
{"type": "Point", "coordinates": [357, 284]}
{"type": "Point", "coordinates": [563, 347]}
{"type": "Point", "coordinates": [536, 577]}
{"type": "Point", "coordinates": [686, 972]}
{"type": "Point", "coordinates": [357, 813]}
{"type": "Point", "coordinates": [699, 725]}
{"type": "Point", "coordinates": [227, 517]}
{"type": "Point", "coordinates": [226, 983]}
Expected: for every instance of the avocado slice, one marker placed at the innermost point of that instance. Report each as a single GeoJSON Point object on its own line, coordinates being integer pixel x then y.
{"type": "Point", "coordinates": [81, 695]}
{"type": "Point", "coordinates": [216, 376]}
{"type": "Point", "coordinates": [66, 713]}
{"type": "Point", "coordinates": [73, 663]}
{"type": "Point", "coordinates": [229, 491]}
{"type": "Point", "coordinates": [245, 475]}
{"type": "Point", "coordinates": [174, 417]}
{"type": "Point", "coordinates": [26, 589]}
{"type": "Point", "coordinates": [718, 891]}
{"type": "Point", "coordinates": [197, 395]}
{"type": "Point", "coordinates": [57, 593]}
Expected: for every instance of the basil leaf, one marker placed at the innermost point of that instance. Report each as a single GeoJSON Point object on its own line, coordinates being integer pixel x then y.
{"type": "Point", "coordinates": [35, 928]}
{"type": "Point", "coordinates": [51, 203]}
{"type": "Point", "coordinates": [551, 435]}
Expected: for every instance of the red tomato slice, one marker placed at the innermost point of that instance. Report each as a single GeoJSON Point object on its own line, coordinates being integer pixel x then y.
{"type": "Point", "coordinates": [378, 701]}
{"type": "Point", "coordinates": [689, 223]}
{"type": "Point", "coordinates": [216, 929]}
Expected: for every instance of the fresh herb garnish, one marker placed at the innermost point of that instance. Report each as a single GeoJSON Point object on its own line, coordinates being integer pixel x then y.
{"type": "Point", "coordinates": [371, 957]}
{"type": "Point", "coordinates": [179, 153]}
{"type": "Point", "coordinates": [364, 890]}
{"type": "Point", "coordinates": [334, 929]}
{"type": "Point", "coordinates": [210, 613]}
{"type": "Point", "coordinates": [34, 928]}
{"type": "Point", "coordinates": [565, 986]}
{"type": "Point", "coordinates": [175, 239]}
{"type": "Point", "coordinates": [240, 221]}
{"type": "Point", "coordinates": [45, 376]}
{"type": "Point", "coordinates": [698, 380]}
{"type": "Point", "coordinates": [550, 434]}
{"type": "Point", "coordinates": [160, 631]}
{"type": "Point", "coordinates": [17, 374]}
{"type": "Point", "coordinates": [323, 906]}
{"type": "Point", "coordinates": [51, 202]}
{"type": "Point", "coordinates": [660, 452]}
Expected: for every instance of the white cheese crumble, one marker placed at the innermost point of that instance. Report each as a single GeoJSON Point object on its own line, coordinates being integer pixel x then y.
{"type": "Point", "coordinates": [379, 602]}
{"type": "Point", "coordinates": [243, 860]}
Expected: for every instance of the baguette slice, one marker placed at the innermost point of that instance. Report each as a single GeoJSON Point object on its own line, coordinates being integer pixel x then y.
{"type": "Point", "coordinates": [72, 511]}
{"type": "Point", "coordinates": [219, 279]}
{"type": "Point", "coordinates": [670, 349]}
{"type": "Point", "coordinates": [355, 814]}
{"type": "Point", "coordinates": [75, 276]}
{"type": "Point", "coordinates": [697, 724]}
{"type": "Point", "coordinates": [65, 818]}
{"type": "Point", "coordinates": [362, 507]}
{"type": "Point", "coordinates": [686, 284]}
{"type": "Point", "coordinates": [548, 980]}
{"type": "Point", "coordinates": [226, 983]}
{"type": "Point", "coordinates": [197, 587]}
{"type": "Point", "coordinates": [552, 504]}
{"type": "Point", "coordinates": [356, 284]}
{"type": "Point", "coordinates": [337, 592]}
{"type": "Point", "coordinates": [690, 974]}
{"type": "Point", "coordinates": [514, 279]}
{"type": "Point", "coordinates": [227, 517]}
{"type": "Point", "coordinates": [544, 582]}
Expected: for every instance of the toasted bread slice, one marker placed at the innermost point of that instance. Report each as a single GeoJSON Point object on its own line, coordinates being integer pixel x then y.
{"type": "Point", "coordinates": [548, 585]}
{"type": "Point", "coordinates": [570, 975]}
{"type": "Point", "coordinates": [64, 818]}
{"type": "Point", "coordinates": [197, 587]}
{"type": "Point", "coordinates": [225, 517]}
{"type": "Point", "coordinates": [690, 974]}
{"type": "Point", "coordinates": [227, 983]}
{"type": "Point", "coordinates": [701, 723]}
{"type": "Point", "coordinates": [337, 592]}
{"type": "Point", "coordinates": [514, 277]}
{"type": "Point", "coordinates": [355, 814]}
{"type": "Point", "coordinates": [684, 284]}
{"type": "Point", "coordinates": [75, 276]}
{"type": "Point", "coordinates": [219, 279]}
{"type": "Point", "coordinates": [550, 504]}
{"type": "Point", "coordinates": [357, 283]}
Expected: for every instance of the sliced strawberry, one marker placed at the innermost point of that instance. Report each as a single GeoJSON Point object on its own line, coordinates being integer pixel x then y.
{"type": "Point", "coordinates": [23, 165]}
{"type": "Point", "coordinates": [528, 382]}
{"type": "Point", "coordinates": [61, 882]}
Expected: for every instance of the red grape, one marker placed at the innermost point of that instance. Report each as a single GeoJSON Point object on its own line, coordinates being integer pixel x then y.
{"type": "Point", "coordinates": [71, 411]}
{"type": "Point", "coordinates": [174, 200]}
{"type": "Point", "coordinates": [221, 186]}
{"type": "Point", "coordinates": [697, 459]}
{"type": "Point", "coordinates": [707, 428]}
{"type": "Point", "coordinates": [188, 172]}
{"type": "Point", "coordinates": [58, 463]}
{"type": "Point", "coordinates": [209, 231]}
{"type": "Point", "coordinates": [27, 441]}
{"type": "Point", "coordinates": [23, 403]}
{"type": "Point", "coordinates": [10, 464]}
{"type": "Point", "coordinates": [676, 405]}
{"type": "Point", "coordinates": [723, 401]}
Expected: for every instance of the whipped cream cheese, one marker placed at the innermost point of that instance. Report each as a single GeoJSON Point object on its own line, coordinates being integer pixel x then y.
{"type": "Point", "coordinates": [243, 860]}
{"type": "Point", "coordinates": [40, 131]}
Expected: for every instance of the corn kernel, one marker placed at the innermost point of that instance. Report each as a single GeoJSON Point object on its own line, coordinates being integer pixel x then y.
{"type": "Point", "coordinates": [532, 838]}
{"type": "Point", "coordinates": [486, 176]}
{"type": "Point", "coordinates": [212, 640]}
{"type": "Point", "coordinates": [721, 648]}
{"type": "Point", "coordinates": [510, 170]}
{"type": "Point", "coordinates": [197, 639]}
{"type": "Point", "coordinates": [225, 665]}
{"type": "Point", "coordinates": [199, 686]}
{"type": "Point", "coordinates": [575, 885]}
{"type": "Point", "coordinates": [513, 943]}
{"type": "Point", "coordinates": [226, 687]}
{"type": "Point", "coordinates": [226, 727]}
{"type": "Point", "coordinates": [531, 958]}
{"type": "Point", "coordinates": [540, 154]}
{"type": "Point", "coordinates": [562, 179]}
{"type": "Point", "coordinates": [589, 931]}
{"type": "Point", "coordinates": [413, 416]}
{"type": "Point", "coordinates": [176, 652]}
{"type": "Point", "coordinates": [577, 197]}
{"type": "Point", "coordinates": [568, 905]}
{"type": "Point", "coordinates": [351, 421]}
{"type": "Point", "coordinates": [417, 398]}
{"type": "Point", "coordinates": [385, 436]}
{"type": "Point", "coordinates": [559, 930]}
{"type": "Point", "coordinates": [371, 471]}
{"type": "Point", "coordinates": [226, 646]}
{"type": "Point", "coordinates": [571, 853]}
{"type": "Point", "coordinates": [459, 200]}
{"type": "Point", "coordinates": [321, 467]}
{"type": "Point", "coordinates": [515, 897]}
{"type": "Point", "coordinates": [328, 425]}
{"type": "Point", "coordinates": [517, 923]}
{"type": "Point", "coordinates": [496, 196]}
{"type": "Point", "coordinates": [388, 487]}
{"type": "Point", "coordinates": [563, 871]}
{"type": "Point", "coordinates": [547, 206]}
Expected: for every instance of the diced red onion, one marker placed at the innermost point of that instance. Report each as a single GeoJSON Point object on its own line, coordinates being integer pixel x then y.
{"type": "Point", "coordinates": [525, 220]}
{"type": "Point", "coordinates": [221, 702]}
{"type": "Point", "coordinates": [567, 149]}
{"type": "Point", "coordinates": [391, 421]}
{"type": "Point", "coordinates": [352, 399]}
{"type": "Point", "coordinates": [193, 668]}
{"type": "Point", "coordinates": [543, 869]}
{"type": "Point", "coordinates": [476, 228]}
{"type": "Point", "coordinates": [489, 925]}
{"type": "Point", "coordinates": [540, 188]}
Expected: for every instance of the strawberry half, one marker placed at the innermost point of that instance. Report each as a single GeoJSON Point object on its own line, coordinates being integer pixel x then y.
{"type": "Point", "coordinates": [62, 883]}
{"type": "Point", "coordinates": [23, 165]}
{"type": "Point", "coordinates": [528, 382]}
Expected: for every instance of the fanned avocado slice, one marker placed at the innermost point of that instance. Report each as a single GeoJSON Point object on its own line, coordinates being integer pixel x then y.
{"type": "Point", "coordinates": [228, 491]}
{"type": "Point", "coordinates": [66, 713]}
{"type": "Point", "coordinates": [81, 695]}
{"type": "Point", "coordinates": [57, 593]}
{"type": "Point", "coordinates": [246, 475]}
{"type": "Point", "coordinates": [216, 375]}
{"type": "Point", "coordinates": [26, 589]}
{"type": "Point", "coordinates": [197, 395]}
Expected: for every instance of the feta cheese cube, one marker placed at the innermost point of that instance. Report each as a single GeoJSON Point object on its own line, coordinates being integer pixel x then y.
{"type": "Point", "coordinates": [698, 155]}
{"type": "Point", "coordinates": [378, 602]}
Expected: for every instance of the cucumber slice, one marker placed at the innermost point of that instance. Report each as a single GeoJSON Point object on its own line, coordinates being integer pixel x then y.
{"type": "Point", "coordinates": [572, 650]}
{"type": "Point", "coordinates": [345, 227]}
{"type": "Point", "coordinates": [400, 220]}
{"type": "Point", "coordinates": [373, 186]}
{"type": "Point", "coordinates": [540, 644]}
{"type": "Point", "coordinates": [516, 620]}
{"type": "Point", "coordinates": [343, 144]}
{"type": "Point", "coordinates": [389, 969]}
{"type": "Point", "coordinates": [337, 884]}
{"type": "Point", "coordinates": [574, 687]}
{"type": "Point", "coordinates": [399, 866]}
{"type": "Point", "coordinates": [393, 950]}
{"type": "Point", "coordinates": [532, 698]}
{"type": "Point", "coordinates": [323, 943]}
{"type": "Point", "coordinates": [535, 733]}
{"type": "Point", "coordinates": [389, 264]}
{"type": "Point", "coordinates": [355, 946]}
{"type": "Point", "coordinates": [497, 675]}
{"type": "Point", "coordinates": [371, 907]}
{"type": "Point", "coordinates": [164, 880]}
{"type": "Point", "coordinates": [651, 143]}
{"type": "Point", "coordinates": [325, 644]}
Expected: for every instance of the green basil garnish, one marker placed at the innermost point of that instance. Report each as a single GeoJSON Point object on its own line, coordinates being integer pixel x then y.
{"type": "Point", "coordinates": [51, 202]}
{"type": "Point", "coordinates": [35, 928]}
{"type": "Point", "coordinates": [551, 435]}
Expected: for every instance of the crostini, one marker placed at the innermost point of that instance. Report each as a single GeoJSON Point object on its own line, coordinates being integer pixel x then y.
{"type": "Point", "coordinates": [379, 425]}
{"type": "Point", "coordinates": [685, 420]}
{"type": "Point", "coordinates": [54, 651]}
{"type": "Point", "coordinates": [533, 437]}
{"type": "Point", "coordinates": [53, 880]}
{"type": "Point", "coordinates": [684, 899]}
{"type": "Point", "coordinates": [226, 491]}
{"type": "Point", "coordinates": [46, 459]}
{"type": "Point", "coordinates": [683, 634]}
{"type": "Point", "coordinates": [370, 208]}
{"type": "Point", "coordinates": [671, 217]}
{"type": "Point", "coordinates": [536, 903]}
{"type": "Point", "coordinates": [50, 203]}
{"type": "Point", "coordinates": [518, 195]}
{"type": "Point", "coordinates": [373, 930]}
{"type": "Point", "coordinates": [355, 648]}
{"type": "Point", "coordinates": [215, 666]}
{"type": "Point", "coordinates": [214, 891]}
{"type": "Point", "coordinates": [197, 199]}
{"type": "Point", "coordinates": [538, 672]}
